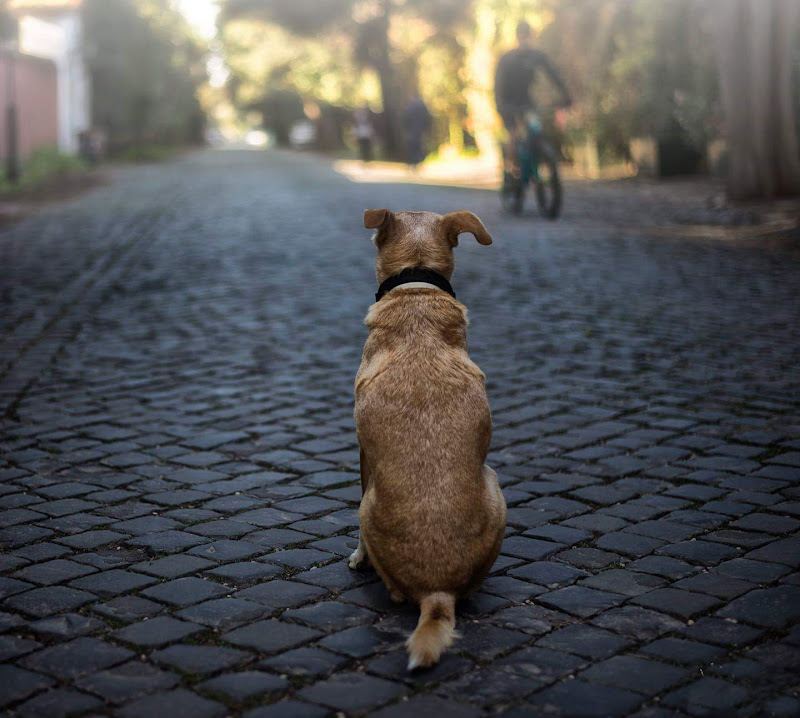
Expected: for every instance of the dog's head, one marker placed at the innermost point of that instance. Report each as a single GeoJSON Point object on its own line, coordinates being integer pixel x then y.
{"type": "Point", "coordinates": [419, 239]}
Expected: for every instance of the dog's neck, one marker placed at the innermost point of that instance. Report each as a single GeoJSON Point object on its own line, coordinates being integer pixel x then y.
{"type": "Point", "coordinates": [415, 278]}
{"type": "Point", "coordinates": [416, 285]}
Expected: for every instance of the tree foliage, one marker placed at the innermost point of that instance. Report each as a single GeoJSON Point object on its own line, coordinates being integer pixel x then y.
{"type": "Point", "coordinates": [305, 18]}
{"type": "Point", "coordinates": [146, 67]}
{"type": "Point", "coordinates": [636, 68]}
{"type": "Point", "coordinates": [352, 52]}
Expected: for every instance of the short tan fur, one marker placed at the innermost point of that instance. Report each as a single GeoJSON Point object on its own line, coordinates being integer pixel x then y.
{"type": "Point", "coordinates": [432, 514]}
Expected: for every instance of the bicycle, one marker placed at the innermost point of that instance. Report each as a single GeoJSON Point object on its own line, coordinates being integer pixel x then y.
{"type": "Point", "coordinates": [533, 160]}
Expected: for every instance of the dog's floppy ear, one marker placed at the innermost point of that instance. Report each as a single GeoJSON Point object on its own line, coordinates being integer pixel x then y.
{"type": "Point", "coordinates": [375, 218]}
{"type": "Point", "coordinates": [462, 221]}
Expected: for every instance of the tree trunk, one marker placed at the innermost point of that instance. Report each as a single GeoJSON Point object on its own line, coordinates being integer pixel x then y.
{"type": "Point", "coordinates": [753, 39]}
{"type": "Point", "coordinates": [392, 101]}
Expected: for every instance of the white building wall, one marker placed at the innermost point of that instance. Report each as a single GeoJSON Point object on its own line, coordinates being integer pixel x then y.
{"type": "Point", "coordinates": [60, 38]}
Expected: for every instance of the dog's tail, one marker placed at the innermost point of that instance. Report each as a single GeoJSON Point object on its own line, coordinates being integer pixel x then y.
{"type": "Point", "coordinates": [435, 630]}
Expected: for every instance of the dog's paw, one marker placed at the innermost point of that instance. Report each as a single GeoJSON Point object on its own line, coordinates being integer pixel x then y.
{"type": "Point", "coordinates": [358, 559]}
{"type": "Point", "coordinates": [397, 598]}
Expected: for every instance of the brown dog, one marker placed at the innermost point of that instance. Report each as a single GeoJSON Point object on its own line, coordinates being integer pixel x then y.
{"type": "Point", "coordinates": [432, 514]}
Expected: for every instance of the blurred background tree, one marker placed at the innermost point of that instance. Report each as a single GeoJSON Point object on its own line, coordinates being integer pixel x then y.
{"type": "Point", "coordinates": [8, 25]}
{"type": "Point", "coordinates": [757, 49]}
{"type": "Point", "coordinates": [146, 68]}
{"type": "Point", "coordinates": [351, 52]}
{"type": "Point", "coordinates": [643, 69]}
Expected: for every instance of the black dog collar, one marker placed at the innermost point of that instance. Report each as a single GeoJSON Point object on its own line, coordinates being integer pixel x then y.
{"type": "Point", "coordinates": [415, 274]}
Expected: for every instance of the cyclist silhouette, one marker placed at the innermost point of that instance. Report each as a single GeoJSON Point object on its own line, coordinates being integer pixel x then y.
{"type": "Point", "coordinates": [516, 73]}
{"type": "Point", "coordinates": [529, 158]}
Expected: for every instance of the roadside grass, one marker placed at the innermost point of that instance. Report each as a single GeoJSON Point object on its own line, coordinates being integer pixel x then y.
{"type": "Point", "coordinates": [45, 169]}
{"type": "Point", "coordinates": [49, 175]}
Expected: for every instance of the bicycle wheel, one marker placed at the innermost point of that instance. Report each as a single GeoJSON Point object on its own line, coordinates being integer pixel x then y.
{"type": "Point", "coordinates": [512, 194]}
{"type": "Point", "coordinates": [548, 183]}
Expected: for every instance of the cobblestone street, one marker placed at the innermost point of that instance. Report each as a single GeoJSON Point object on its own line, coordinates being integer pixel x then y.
{"type": "Point", "coordinates": [179, 475]}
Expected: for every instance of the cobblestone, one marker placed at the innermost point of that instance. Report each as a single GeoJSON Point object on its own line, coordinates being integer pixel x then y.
{"type": "Point", "coordinates": [156, 632]}
{"type": "Point", "coordinates": [179, 470]}
{"type": "Point", "coordinates": [128, 681]}
{"type": "Point", "coordinates": [59, 702]}
{"type": "Point", "coordinates": [243, 686]}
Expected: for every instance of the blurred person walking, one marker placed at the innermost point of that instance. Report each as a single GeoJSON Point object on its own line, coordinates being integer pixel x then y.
{"type": "Point", "coordinates": [416, 124]}
{"type": "Point", "coordinates": [364, 133]}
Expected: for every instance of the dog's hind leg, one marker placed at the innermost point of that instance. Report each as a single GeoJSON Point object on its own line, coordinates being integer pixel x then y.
{"type": "Point", "coordinates": [497, 524]}
{"type": "Point", "coordinates": [360, 558]}
{"type": "Point", "coordinates": [395, 594]}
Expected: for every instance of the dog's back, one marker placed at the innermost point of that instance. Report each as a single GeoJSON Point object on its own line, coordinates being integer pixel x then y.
{"type": "Point", "coordinates": [424, 428]}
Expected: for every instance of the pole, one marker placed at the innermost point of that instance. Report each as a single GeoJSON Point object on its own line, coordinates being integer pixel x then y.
{"type": "Point", "coordinates": [12, 134]}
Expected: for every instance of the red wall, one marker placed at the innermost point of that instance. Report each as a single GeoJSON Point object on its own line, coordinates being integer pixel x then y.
{"type": "Point", "coordinates": [37, 104]}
